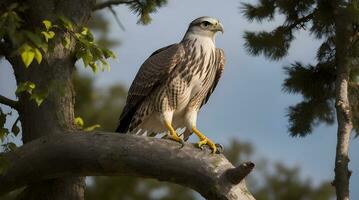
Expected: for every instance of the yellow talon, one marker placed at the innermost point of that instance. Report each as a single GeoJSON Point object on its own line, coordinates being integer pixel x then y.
{"type": "Point", "coordinates": [173, 134]}
{"type": "Point", "coordinates": [204, 140]}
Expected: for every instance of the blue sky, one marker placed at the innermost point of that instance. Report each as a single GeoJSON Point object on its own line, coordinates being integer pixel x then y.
{"type": "Point", "coordinates": [248, 104]}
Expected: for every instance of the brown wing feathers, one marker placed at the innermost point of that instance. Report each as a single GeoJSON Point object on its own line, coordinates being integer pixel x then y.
{"type": "Point", "coordinates": [148, 78]}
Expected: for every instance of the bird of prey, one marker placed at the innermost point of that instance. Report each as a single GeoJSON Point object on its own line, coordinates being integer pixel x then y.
{"type": "Point", "coordinates": [174, 83]}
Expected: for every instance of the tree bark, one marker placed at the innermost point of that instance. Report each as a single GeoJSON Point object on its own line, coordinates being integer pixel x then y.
{"type": "Point", "coordinates": [83, 154]}
{"type": "Point", "coordinates": [345, 126]}
{"type": "Point", "coordinates": [53, 75]}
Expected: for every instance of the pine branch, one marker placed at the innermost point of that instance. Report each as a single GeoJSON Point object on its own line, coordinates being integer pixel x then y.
{"type": "Point", "coordinates": [110, 3]}
{"type": "Point", "coordinates": [300, 22]}
{"type": "Point", "coordinates": [6, 101]}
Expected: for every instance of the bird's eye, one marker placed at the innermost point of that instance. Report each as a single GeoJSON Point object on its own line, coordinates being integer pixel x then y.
{"type": "Point", "coordinates": [205, 23]}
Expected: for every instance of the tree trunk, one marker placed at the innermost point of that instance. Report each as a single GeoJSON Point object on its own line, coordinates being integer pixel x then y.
{"type": "Point", "coordinates": [345, 126]}
{"type": "Point", "coordinates": [53, 75]}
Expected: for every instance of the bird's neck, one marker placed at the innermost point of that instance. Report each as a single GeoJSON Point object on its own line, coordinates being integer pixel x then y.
{"type": "Point", "coordinates": [203, 46]}
{"type": "Point", "coordinates": [200, 39]}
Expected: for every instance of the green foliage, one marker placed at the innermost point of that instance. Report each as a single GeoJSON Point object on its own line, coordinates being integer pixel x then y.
{"type": "Point", "coordinates": [86, 49]}
{"type": "Point", "coordinates": [25, 87]}
{"type": "Point", "coordinates": [105, 105]}
{"type": "Point", "coordinates": [264, 10]}
{"type": "Point", "coordinates": [29, 41]}
{"type": "Point", "coordinates": [273, 45]}
{"type": "Point", "coordinates": [314, 82]}
{"type": "Point", "coordinates": [32, 44]}
{"type": "Point", "coordinates": [285, 183]}
{"type": "Point", "coordinates": [79, 122]}
{"type": "Point", "coordinates": [145, 7]}
{"type": "Point", "coordinates": [38, 95]}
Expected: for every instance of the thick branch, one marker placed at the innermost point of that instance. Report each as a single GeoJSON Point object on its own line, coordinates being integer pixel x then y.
{"type": "Point", "coordinates": [8, 102]}
{"type": "Point", "coordinates": [87, 154]}
{"type": "Point", "coordinates": [110, 3]}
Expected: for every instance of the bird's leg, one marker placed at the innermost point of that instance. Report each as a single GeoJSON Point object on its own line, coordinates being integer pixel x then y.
{"type": "Point", "coordinates": [173, 133]}
{"type": "Point", "coordinates": [203, 140]}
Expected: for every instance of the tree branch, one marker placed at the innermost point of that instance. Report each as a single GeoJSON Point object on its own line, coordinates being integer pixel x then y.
{"type": "Point", "coordinates": [110, 3]}
{"type": "Point", "coordinates": [87, 154]}
{"type": "Point", "coordinates": [8, 102]}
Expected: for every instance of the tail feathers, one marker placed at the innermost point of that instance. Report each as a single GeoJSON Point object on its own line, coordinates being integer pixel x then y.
{"type": "Point", "coordinates": [125, 120]}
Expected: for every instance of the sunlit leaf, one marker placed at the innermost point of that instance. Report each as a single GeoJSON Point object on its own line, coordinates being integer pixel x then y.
{"type": "Point", "coordinates": [39, 96]}
{"type": "Point", "coordinates": [47, 24]}
{"type": "Point", "coordinates": [108, 53]}
{"type": "Point", "coordinates": [104, 65]}
{"type": "Point", "coordinates": [87, 58]}
{"type": "Point", "coordinates": [94, 67]}
{"type": "Point", "coordinates": [91, 128]}
{"type": "Point", "coordinates": [38, 55]}
{"type": "Point", "coordinates": [26, 86]}
{"type": "Point", "coordinates": [79, 122]}
{"type": "Point", "coordinates": [27, 54]}
{"type": "Point", "coordinates": [48, 35]}
{"type": "Point", "coordinates": [85, 31]}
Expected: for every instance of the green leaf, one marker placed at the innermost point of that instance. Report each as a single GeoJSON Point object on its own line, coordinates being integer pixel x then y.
{"type": "Point", "coordinates": [39, 96]}
{"type": "Point", "coordinates": [66, 42]}
{"type": "Point", "coordinates": [27, 54]}
{"type": "Point", "coordinates": [47, 24]}
{"type": "Point", "coordinates": [26, 86]}
{"type": "Point", "coordinates": [15, 129]}
{"type": "Point", "coordinates": [87, 58]}
{"type": "Point", "coordinates": [85, 31]}
{"type": "Point", "coordinates": [104, 65]}
{"type": "Point", "coordinates": [38, 55]}
{"type": "Point", "coordinates": [48, 35]}
{"type": "Point", "coordinates": [93, 127]}
{"type": "Point", "coordinates": [108, 53]}
{"type": "Point", "coordinates": [79, 122]}
{"type": "Point", "coordinates": [94, 67]}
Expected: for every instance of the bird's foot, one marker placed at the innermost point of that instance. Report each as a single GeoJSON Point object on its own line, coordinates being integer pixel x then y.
{"type": "Point", "coordinates": [177, 139]}
{"type": "Point", "coordinates": [209, 143]}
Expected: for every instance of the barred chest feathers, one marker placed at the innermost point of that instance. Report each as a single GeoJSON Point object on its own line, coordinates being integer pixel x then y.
{"type": "Point", "coordinates": [202, 70]}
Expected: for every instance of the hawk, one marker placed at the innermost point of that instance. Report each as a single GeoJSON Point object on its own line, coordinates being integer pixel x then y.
{"type": "Point", "coordinates": [174, 83]}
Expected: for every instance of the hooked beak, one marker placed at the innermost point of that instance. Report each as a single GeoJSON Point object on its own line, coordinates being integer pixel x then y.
{"type": "Point", "coordinates": [219, 27]}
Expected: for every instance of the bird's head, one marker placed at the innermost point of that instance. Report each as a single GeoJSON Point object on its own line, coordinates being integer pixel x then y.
{"type": "Point", "coordinates": [205, 26]}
